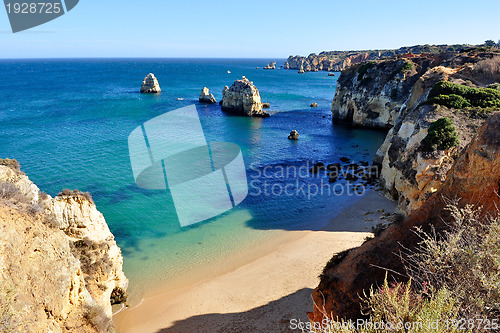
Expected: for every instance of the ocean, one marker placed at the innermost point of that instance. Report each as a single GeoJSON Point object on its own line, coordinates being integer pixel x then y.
{"type": "Point", "coordinates": [67, 122]}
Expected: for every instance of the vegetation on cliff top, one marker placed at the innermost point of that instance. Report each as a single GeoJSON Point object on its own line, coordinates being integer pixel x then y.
{"type": "Point", "coordinates": [364, 68]}
{"type": "Point", "coordinates": [441, 135]}
{"type": "Point", "coordinates": [458, 96]}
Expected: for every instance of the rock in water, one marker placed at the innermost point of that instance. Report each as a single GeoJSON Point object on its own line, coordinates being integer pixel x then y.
{"type": "Point", "coordinates": [294, 135]}
{"type": "Point", "coordinates": [150, 85]}
{"type": "Point", "coordinates": [244, 98]}
{"type": "Point", "coordinates": [271, 65]}
{"type": "Point", "coordinates": [206, 96]}
{"type": "Point", "coordinates": [314, 105]}
{"type": "Point", "coordinates": [266, 105]}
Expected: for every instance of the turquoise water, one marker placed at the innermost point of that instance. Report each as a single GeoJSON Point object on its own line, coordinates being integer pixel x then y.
{"type": "Point", "coordinates": [67, 122]}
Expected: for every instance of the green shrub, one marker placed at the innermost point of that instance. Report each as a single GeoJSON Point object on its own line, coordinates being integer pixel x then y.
{"type": "Point", "coordinates": [364, 68]}
{"type": "Point", "coordinates": [451, 101]}
{"type": "Point", "coordinates": [408, 66]}
{"type": "Point", "coordinates": [441, 136]}
{"type": "Point", "coordinates": [477, 97]}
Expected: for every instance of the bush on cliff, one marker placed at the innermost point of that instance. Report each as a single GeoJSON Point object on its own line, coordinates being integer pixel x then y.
{"type": "Point", "coordinates": [451, 101]}
{"type": "Point", "coordinates": [441, 136]}
{"type": "Point", "coordinates": [476, 97]}
{"type": "Point", "coordinates": [364, 68]}
{"type": "Point", "coordinates": [453, 281]}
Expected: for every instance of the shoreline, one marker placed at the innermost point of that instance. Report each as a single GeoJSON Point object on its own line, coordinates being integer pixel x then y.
{"type": "Point", "coordinates": [266, 290]}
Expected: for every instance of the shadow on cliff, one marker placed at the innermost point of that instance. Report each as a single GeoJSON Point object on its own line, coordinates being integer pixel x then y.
{"type": "Point", "coordinates": [272, 317]}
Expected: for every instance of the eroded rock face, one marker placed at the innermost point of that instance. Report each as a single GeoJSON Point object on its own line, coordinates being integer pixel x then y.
{"type": "Point", "coordinates": [474, 177]}
{"type": "Point", "coordinates": [206, 97]}
{"type": "Point", "coordinates": [60, 257]}
{"type": "Point", "coordinates": [372, 94]}
{"type": "Point", "coordinates": [86, 227]}
{"type": "Point", "coordinates": [150, 85]}
{"type": "Point", "coordinates": [243, 98]}
{"type": "Point", "coordinates": [409, 174]}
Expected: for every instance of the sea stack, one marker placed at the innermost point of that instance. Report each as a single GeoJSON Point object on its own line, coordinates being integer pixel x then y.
{"type": "Point", "coordinates": [206, 97]}
{"type": "Point", "coordinates": [150, 85]}
{"type": "Point", "coordinates": [244, 98]}
{"type": "Point", "coordinates": [271, 65]}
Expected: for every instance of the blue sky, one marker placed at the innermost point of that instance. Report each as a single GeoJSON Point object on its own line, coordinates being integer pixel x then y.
{"type": "Point", "coordinates": [249, 28]}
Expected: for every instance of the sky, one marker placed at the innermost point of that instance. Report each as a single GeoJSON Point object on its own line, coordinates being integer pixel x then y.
{"type": "Point", "coordinates": [249, 28]}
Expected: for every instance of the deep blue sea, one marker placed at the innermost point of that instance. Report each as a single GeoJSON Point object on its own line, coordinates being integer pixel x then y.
{"type": "Point", "coordinates": [67, 122]}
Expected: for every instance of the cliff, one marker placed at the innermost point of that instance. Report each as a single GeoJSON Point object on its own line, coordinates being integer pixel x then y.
{"type": "Point", "coordinates": [60, 267]}
{"type": "Point", "coordinates": [341, 60]}
{"type": "Point", "coordinates": [474, 177]}
{"type": "Point", "coordinates": [372, 94]}
{"type": "Point", "coordinates": [443, 144]}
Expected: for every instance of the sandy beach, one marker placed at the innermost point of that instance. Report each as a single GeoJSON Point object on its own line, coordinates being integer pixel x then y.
{"type": "Point", "coordinates": [262, 295]}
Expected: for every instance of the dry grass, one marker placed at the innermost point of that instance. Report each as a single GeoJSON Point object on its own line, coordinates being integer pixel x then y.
{"type": "Point", "coordinates": [9, 321]}
{"type": "Point", "coordinates": [454, 280]}
{"type": "Point", "coordinates": [75, 193]}
{"type": "Point", "coordinates": [465, 259]}
{"type": "Point", "coordinates": [11, 163]}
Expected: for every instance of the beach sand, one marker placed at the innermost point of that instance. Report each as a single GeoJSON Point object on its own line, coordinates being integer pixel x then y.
{"type": "Point", "coordinates": [262, 295]}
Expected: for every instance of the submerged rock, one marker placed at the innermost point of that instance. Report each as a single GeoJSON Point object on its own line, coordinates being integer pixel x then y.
{"type": "Point", "coordinates": [150, 85]}
{"type": "Point", "coordinates": [294, 135]}
{"type": "Point", "coordinates": [244, 98]}
{"type": "Point", "coordinates": [320, 166]}
{"type": "Point", "coordinates": [206, 97]}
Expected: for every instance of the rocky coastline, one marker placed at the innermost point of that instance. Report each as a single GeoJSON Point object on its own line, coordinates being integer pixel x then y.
{"type": "Point", "coordinates": [336, 61]}
{"type": "Point", "coordinates": [409, 96]}
{"type": "Point", "coordinates": [60, 267]}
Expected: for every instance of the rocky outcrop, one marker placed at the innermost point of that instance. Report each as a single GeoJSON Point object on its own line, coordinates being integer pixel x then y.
{"type": "Point", "coordinates": [150, 85]}
{"type": "Point", "coordinates": [271, 65]}
{"type": "Point", "coordinates": [372, 94]}
{"type": "Point", "coordinates": [294, 135]}
{"type": "Point", "coordinates": [409, 174]}
{"type": "Point", "coordinates": [391, 94]}
{"type": "Point", "coordinates": [243, 98]}
{"type": "Point", "coordinates": [474, 177]}
{"type": "Point", "coordinates": [59, 257]}
{"type": "Point", "coordinates": [206, 97]}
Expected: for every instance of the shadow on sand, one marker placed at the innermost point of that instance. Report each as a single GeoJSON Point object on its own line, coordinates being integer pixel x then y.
{"type": "Point", "coordinates": [273, 317]}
